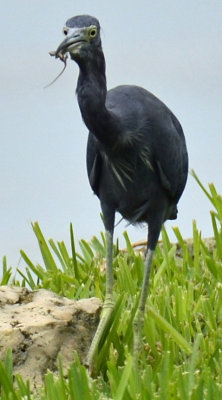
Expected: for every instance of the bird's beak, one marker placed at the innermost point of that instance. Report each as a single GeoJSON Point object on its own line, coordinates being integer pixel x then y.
{"type": "Point", "coordinates": [73, 41]}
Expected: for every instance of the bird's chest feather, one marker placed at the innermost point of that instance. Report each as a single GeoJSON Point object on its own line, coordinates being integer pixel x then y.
{"type": "Point", "coordinates": [125, 174]}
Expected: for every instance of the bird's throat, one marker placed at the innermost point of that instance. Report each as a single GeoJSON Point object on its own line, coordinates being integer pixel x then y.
{"type": "Point", "coordinates": [91, 92]}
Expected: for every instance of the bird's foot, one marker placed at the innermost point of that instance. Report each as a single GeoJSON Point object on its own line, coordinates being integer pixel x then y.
{"type": "Point", "coordinates": [93, 350]}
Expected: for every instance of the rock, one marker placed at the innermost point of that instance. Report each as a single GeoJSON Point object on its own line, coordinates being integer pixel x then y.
{"type": "Point", "coordinates": [39, 325]}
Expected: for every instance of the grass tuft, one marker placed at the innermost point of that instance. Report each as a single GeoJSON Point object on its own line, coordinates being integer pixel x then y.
{"type": "Point", "coordinates": [181, 351]}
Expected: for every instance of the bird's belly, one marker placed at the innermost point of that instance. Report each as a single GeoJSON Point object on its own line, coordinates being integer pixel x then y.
{"type": "Point", "coordinates": [136, 198]}
{"type": "Point", "coordinates": [138, 209]}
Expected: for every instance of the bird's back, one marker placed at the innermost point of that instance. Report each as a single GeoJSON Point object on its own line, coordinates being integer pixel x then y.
{"type": "Point", "coordinates": [150, 153]}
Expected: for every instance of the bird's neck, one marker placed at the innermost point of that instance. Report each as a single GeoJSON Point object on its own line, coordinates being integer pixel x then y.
{"type": "Point", "coordinates": [91, 91]}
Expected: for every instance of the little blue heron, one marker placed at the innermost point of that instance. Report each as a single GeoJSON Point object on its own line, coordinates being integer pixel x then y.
{"type": "Point", "coordinates": [137, 159]}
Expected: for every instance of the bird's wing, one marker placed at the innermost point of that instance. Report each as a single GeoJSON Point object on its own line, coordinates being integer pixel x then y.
{"type": "Point", "coordinates": [94, 163]}
{"type": "Point", "coordinates": [170, 157]}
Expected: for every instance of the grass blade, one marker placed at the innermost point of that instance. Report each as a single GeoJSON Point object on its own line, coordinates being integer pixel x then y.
{"type": "Point", "coordinates": [176, 336]}
{"type": "Point", "coordinates": [74, 259]}
{"type": "Point", "coordinates": [124, 379]}
{"type": "Point", "coordinates": [46, 254]}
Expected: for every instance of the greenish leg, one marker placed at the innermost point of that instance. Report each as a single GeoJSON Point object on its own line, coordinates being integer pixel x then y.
{"type": "Point", "coordinates": [108, 304]}
{"type": "Point", "coordinates": [139, 317]}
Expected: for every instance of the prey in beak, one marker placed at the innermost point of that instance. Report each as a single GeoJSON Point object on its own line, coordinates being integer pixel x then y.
{"type": "Point", "coordinates": [77, 38]}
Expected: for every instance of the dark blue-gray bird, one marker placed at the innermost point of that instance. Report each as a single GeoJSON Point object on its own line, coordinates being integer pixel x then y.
{"type": "Point", "coordinates": [137, 159]}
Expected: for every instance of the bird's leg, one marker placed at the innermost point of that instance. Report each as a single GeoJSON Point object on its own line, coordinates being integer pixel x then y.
{"type": "Point", "coordinates": [108, 304]}
{"type": "Point", "coordinates": [139, 317]}
{"type": "Point", "coordinates": [154, 227]}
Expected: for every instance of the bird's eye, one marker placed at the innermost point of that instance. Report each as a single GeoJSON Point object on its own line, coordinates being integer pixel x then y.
{"type": "Point", "coordinates": [65, 31]}
{"type": "Point", "coordinates": [93, 32]}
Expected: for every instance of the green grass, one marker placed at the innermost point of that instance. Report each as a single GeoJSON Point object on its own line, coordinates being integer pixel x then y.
{"type": "Point", "coordinates": [182, 338]}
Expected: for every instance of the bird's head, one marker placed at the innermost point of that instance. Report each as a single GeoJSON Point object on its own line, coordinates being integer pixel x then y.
{"type": "Point", "coordinates": [82, 36]}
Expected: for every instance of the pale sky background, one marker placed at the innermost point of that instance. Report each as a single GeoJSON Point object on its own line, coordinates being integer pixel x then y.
{"type": "Point", "coordinates": [171, 47]}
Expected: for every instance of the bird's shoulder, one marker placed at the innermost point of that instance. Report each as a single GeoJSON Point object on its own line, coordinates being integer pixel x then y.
{"type": "Point", "coordinates": [140, 114]}
{"type": "Point", "coordinates": [132, 99]}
